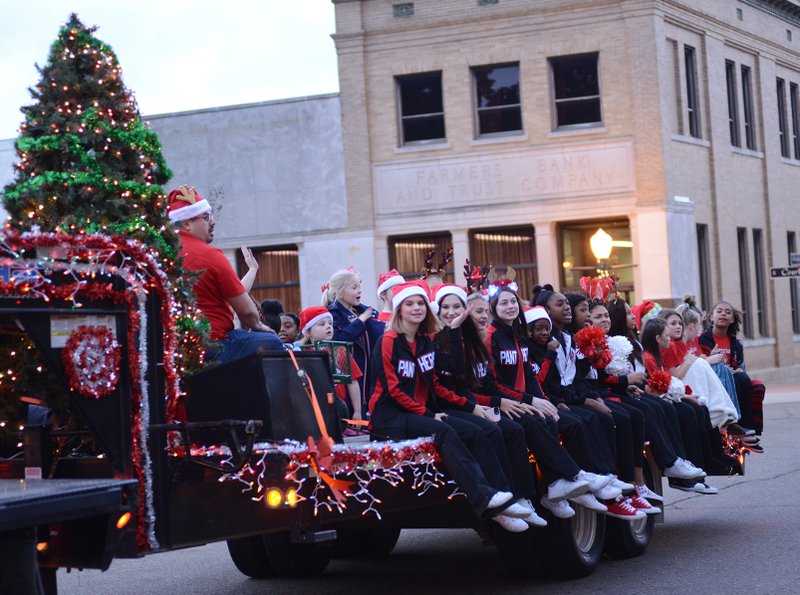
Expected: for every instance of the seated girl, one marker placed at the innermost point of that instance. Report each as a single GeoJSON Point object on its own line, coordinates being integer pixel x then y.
{"type": "Point", "coordinates": [404, 405]}
{"type": "Point", "coordinates": [721, 337]}
{"type": "Point", "coordinates": [695, 372]}
{"type": "Point", "coordinates": [508, 344]}
{"type": "Point", "coordinates": [316, 324]}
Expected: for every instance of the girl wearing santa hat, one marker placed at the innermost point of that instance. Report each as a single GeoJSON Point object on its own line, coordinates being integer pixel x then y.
{"type": "Point", "coordinates": [385, 284]}
{"type": "Point", "coordinates": [406, 404]}
{"type": "Point", "coordinates": [316, 324]}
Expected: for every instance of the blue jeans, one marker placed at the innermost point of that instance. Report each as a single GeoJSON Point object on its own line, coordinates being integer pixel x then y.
{"type": "Point", "coordinates": [240, 343]}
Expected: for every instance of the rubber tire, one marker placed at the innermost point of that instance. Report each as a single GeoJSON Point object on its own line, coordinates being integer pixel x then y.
{"type": "Point", "coordinates": [250, 557]}
{"type": "Point", "coordinates": [298, 560]}
{"type": "Point", "coordinates": [518, 551]}
{"type": "Point", "coordinates": [368, 543]}
{"type": "Point", "coordinates": [573, 547]}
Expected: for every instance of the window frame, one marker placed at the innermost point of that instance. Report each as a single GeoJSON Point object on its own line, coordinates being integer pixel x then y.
{"type": "Point", "coordinates": [401, 119]}
{"type": "Point", "coordinates": [783, 128]}
{"type": "Point", "coordinates": [392, 241]}
{"type": "Point", "coordinates": [794, 103]}
{"type": "Point", "coordinates": [748, 109]}
{"type": "Point", "coordinates": [794, 284]}
{"type": "Point", "coordinates": [283, 286]}
{"type": "Point", "coordinates": [733, 103]}
{"type": "Point", "coordinates": [744, 280]}
{"type": "Point", "coordinates": [554, 102]}
{"type": "Point", "coordinates": [692, 93]}
{"type": "Point", "coordinates": [761, 289]}
{"type": "Point", "coordinates": [704, 264]}
{"type": "Point", "coordinates": [520, 230]}
{"type": "Point", "coordinates": [477, 109]}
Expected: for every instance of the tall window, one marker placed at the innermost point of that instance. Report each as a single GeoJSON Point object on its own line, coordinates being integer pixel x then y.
{"type": "Point", "coordinates": [692, 102]}
{"type": "Point", "coordinates": [576, 90]}
{"type": "Point", "coordinates": [795, 103]}
{"type": "Point", "coordinates": [761, 290]}
{"type": "Point", "coordinates": [278, 275]}
{"type": "Point", "coordinates": [510, 247]}
{"type": "Point", "coordinates": [747, 107]}
{"type": "Point", "coordinates": [421, 107]}
{"type": "Point", "coordinates": [733, 104]}
{"type": "Point", "coordinates": [794, 286]}
{"type": "Point", "coordinates": [497, 99]}
{"type": "Point", "coordinates": [783, 133]}
{"type": "Point", "coordinates": [704, 265]}
{"type": "Point", "coordinates": [744, 280]}
{"type": "Point", "coordinates": [407, 253]}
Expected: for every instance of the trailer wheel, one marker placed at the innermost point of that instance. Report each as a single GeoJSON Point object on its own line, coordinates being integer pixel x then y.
{"type": "Point", "coordinates": [250, 557]}
{"type": "Point", "coordinates": [295, 559]}
{"type": "Point", "coordinates": [368, 543]}
{"type": "Point", "coordinates": [518, 551]}
{"type": "Point", "coordinates": [574, 546]}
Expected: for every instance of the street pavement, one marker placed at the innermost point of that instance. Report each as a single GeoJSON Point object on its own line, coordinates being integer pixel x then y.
{"type": "Point", "coordinates": [745, 539]}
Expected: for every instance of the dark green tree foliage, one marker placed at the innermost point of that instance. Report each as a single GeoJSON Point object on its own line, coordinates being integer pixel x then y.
{"type": "Point", "coordinates": [87, 161]}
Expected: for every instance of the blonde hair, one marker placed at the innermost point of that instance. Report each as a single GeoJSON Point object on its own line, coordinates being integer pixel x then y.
{"type": "Point", "coordinates": [430, 326]}
{"type": "Point", "coordinates": [336, 285]}
{"type": "Point", "coordinates": [688, 310]}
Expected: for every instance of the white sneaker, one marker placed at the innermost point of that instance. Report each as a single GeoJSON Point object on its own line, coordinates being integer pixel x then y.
{"type": "Point", "coordinates": [608, 493]}
{"type": "Point", "coordinates": [517, 510]}
{"type": "Point", "coordinates": [616, 482]}
{"type": "Point", "coordinates": [499, 499]}
{"type": "Point", "coordinates": [533, 519]}
{"type": "Point", "coordinates": [559, 508]}
{"type": "Point", "coordinates": [589, 501]}
{"type": "Point", "coordinates": [510, 523]}
{"type": "Point", "coordinates": [596, 482]}
{"type": "Point", "coordinates": [681, 469]}
{"type": "Point", "coordinates": [563, 488]}
{"type": "Point", "coordinates": [704, 488]}
{"type": "Point", "coordinates": [645, 492]}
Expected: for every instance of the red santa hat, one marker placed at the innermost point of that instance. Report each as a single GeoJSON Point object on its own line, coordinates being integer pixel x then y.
{"type": "Point", "coordinates": [311, 316]}
{"type": "Point", "coordinates": [185, 203]}
{"type": "Point", "coordinates": [645, 311]}
{"type": "Point", "coordinates": [389, 280]}
{"type": "Point", "coordinates": [443, 290]}
{"type": "Point", "coordinates": [537, 313]}
{"type": "Point", "coordinates": [404, 291]}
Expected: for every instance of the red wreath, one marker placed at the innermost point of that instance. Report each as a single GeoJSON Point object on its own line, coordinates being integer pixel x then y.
{"type": "Point", "coordinates": [91, 361]}
{"type": "Point", "coordinates": [659, 381]}
{"type": "Point", "coordinates": [593, 344]}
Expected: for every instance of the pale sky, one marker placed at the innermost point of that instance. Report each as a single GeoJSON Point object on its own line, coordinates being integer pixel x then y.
{"type": "Point", "coordinates": [179, 55]}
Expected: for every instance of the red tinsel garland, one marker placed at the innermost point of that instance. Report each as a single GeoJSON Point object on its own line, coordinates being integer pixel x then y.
{"type": "Point", "coordinates": [659, 381]}
{"type": "Point", "coordinates": [91, 361]}
{"type": "Point", "coordinates": [593, 344]}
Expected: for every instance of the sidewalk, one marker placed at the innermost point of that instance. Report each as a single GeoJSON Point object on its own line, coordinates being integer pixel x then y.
{"type": "Point", "coordinates": [782, 393]}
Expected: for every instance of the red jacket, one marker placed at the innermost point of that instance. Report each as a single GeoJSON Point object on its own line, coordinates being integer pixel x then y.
{"type": "Point", "coordinates": [406, 379]}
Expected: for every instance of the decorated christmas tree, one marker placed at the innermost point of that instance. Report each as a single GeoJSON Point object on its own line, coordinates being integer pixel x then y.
{"type": "Point", "coordinates": [88, 165]}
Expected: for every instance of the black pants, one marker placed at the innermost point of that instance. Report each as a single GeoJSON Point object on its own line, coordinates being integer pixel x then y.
{"type": "Point", "coordinates": [655, 430]}
{"type": "Point", "coordinates": [541, 436]}
{"type": "Point", "coordinates": [586, 441]}
{"type": "Point", "coordinates": [619, 431]}
{"type": "Point", "coordinates": [672, 428]}
{"type": "Point", "coordinates": [702, 441]}
{"type": "Point", "coordinates": [508, 442]}
{"type": "Point", "coordinates": [464, 449]}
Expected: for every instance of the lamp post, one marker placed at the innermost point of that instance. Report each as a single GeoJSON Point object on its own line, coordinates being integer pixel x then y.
{"type": "Point", "coordinates": [601, 244]}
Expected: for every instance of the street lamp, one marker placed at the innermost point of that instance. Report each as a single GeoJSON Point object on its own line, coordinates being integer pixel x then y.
{"type": "Point", "coordinates": [601, 244]}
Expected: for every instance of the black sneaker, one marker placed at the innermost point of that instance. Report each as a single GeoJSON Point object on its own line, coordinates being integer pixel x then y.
{"type": "Point", "coordinates": [737, 431]}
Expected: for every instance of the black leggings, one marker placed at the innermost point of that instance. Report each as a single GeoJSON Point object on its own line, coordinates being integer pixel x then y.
{"type": "Point", "coordinates": [656, 430]}
{"type": "Point", "coordinates": [541, 436]}
{"type": "Point", "coordinates": [463, 448]}
{"type": "Point", "coordinates": [508, 443]}
{"type": "Point", "coordinates": [586, 440]}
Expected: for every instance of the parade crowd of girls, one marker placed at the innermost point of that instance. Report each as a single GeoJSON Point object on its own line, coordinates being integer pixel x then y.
{"type": "Point", "coordinates": [581, 382]}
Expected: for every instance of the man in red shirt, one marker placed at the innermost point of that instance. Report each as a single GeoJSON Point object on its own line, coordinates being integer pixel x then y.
{"type": "Point", "coordinates": [218, 290]}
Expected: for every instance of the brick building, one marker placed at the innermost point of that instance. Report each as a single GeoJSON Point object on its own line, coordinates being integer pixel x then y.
{"type": "Point", "coordinates": [513, 130]}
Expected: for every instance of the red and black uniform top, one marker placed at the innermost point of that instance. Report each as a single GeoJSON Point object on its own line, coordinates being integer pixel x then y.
{"type": "Point", "coordinates": [510, 365]}
{"type": "Point", "coordinates": [451, 366]}
{"type": "Point", "coordinates": [406, 381]}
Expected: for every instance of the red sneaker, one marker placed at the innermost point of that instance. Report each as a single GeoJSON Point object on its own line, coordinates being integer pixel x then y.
{"type": "Point", "coordinates": [621, 508]}
{"type": "Point", "coordinates": [640, 503]}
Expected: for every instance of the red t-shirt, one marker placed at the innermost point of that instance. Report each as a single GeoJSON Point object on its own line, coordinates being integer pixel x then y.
{"type": "Point", "coordinates": [217, 283]}
{"type": "Point", "coordinates": [355, 374]}
{"type": "Point", "coordinates": [650, 363]}
{"type": "Point", "coordinates": [724, 347]}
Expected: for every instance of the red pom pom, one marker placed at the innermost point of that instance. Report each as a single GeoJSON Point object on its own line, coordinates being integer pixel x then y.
{"type": "Point", "coordinates": [593, 344]}
{"type": "Point", "coordinates": [659, 381]}
{"type": "Point", "coordinates": [687, 390]}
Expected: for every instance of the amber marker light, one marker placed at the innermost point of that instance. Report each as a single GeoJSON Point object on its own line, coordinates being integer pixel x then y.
{"type": "Point", "coordinates": [123, 520]}
{"type": "Point", "coordinates": [291, 497]}
{"type": "Point", "coordinates": [274, 497]}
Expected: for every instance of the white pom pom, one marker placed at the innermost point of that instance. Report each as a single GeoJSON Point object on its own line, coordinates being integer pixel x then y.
{"type": "Point", "coordinates": [620, 348]}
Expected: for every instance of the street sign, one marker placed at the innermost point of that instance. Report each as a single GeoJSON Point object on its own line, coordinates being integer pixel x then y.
{"type": "Point", "coordinates": [785, 272]}
{"type": "Point", "coordinates": [794, 259]}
